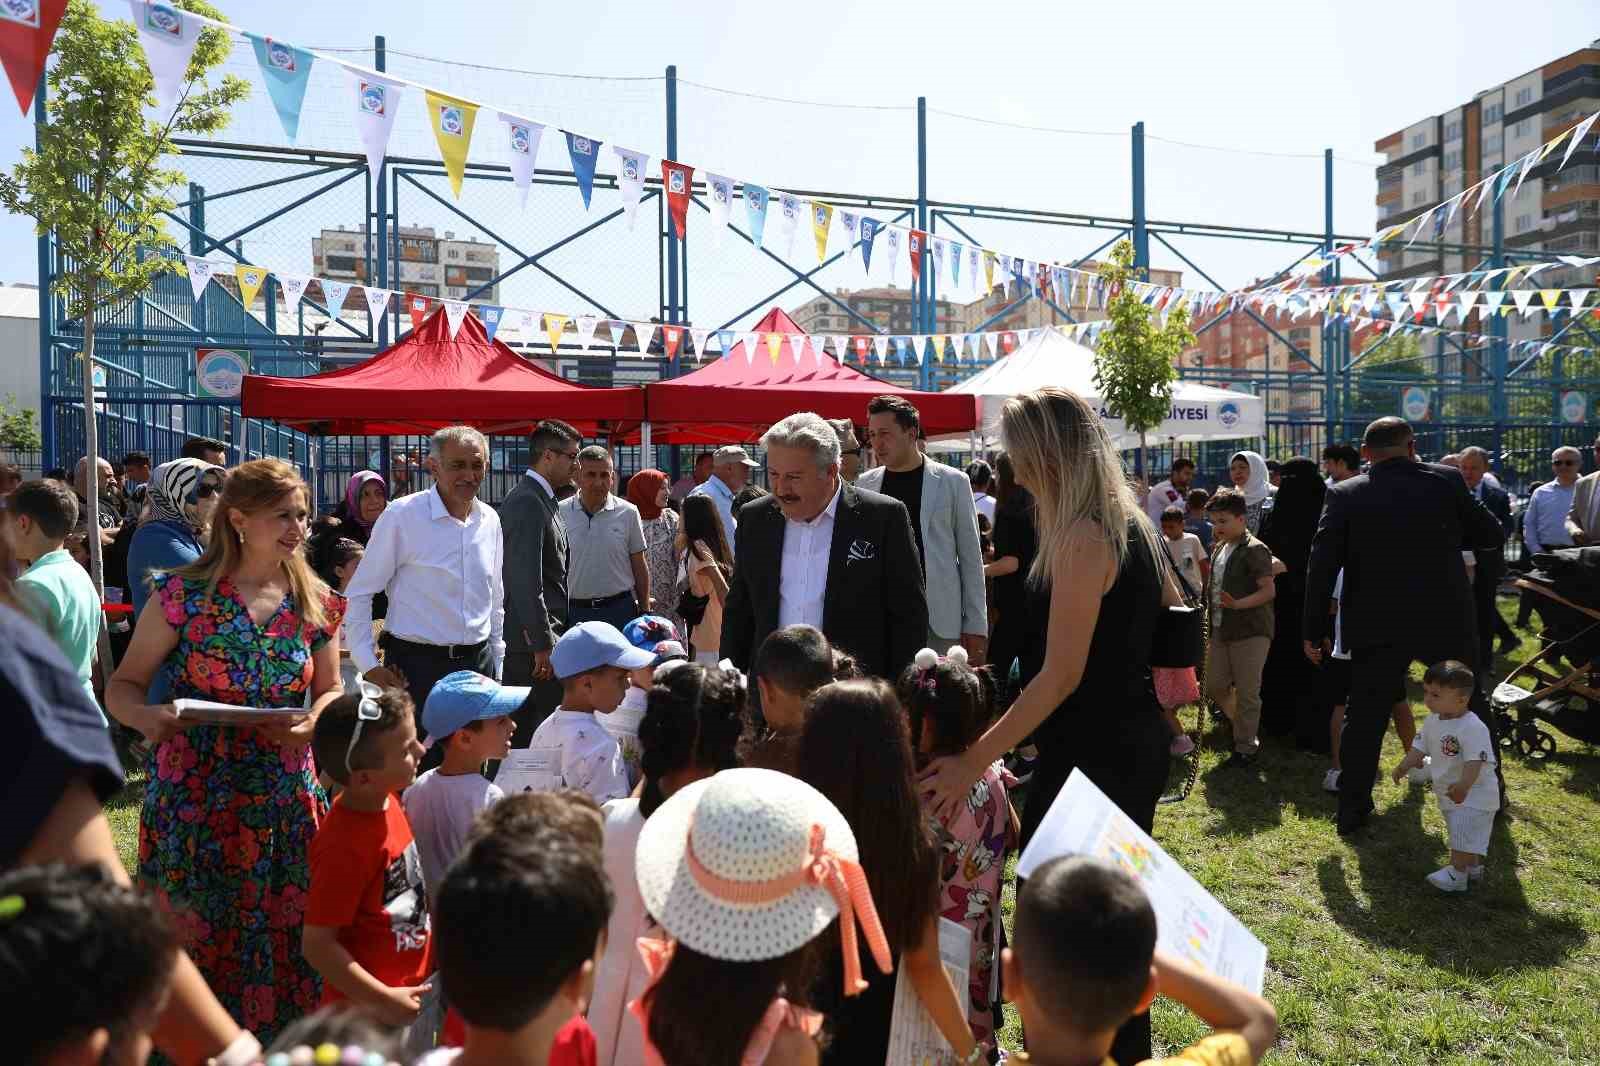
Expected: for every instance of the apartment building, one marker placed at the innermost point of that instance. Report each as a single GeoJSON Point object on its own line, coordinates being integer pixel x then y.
{"type": "Point", "coordinates": [445, 268]}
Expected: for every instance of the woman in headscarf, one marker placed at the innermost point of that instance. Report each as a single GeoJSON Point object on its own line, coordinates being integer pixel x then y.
{"type": "Point", "coordinates": [1248, 472]}
{"type": "Point", "coordinates": [366, 495]}
{"type": "Point", "coordinates": [648, 490]}
{"type": "Point", "coordinates": [172, 530]}
{"type": "Point", "coordinates": [1288, 681]}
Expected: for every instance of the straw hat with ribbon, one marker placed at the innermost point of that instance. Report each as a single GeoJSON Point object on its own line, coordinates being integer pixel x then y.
{"type": "Point", "coordinates": [752, 864]}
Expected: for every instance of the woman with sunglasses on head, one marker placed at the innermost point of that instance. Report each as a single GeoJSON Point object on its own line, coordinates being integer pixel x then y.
{"type": "Point", "coordinates": [230, 811]}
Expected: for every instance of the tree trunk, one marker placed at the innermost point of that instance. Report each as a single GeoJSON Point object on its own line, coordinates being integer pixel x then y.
{"type": "Point", "coordinates": [91, 496]}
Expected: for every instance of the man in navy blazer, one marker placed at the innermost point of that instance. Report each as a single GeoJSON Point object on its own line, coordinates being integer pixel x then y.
{"type": "Point", "coordinates": [1491, 565]}
{"type": "Point", "coordinates": [826, 554]}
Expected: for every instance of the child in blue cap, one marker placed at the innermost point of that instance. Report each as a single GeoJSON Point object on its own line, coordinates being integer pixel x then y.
{"type": "Point", "coordinates": [592, 661]}
{"type": "Point", "coordinates": [470, 715]}
{"type": "Point", "coordinates": [658, 636]}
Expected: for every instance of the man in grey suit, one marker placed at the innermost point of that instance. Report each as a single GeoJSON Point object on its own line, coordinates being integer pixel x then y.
{"type": "Point", "coordinates": [536, 570]}
{"type": "Point", "coordinates": [1583, 521]}
{"type": "Point", "coordinates": [944, 519]}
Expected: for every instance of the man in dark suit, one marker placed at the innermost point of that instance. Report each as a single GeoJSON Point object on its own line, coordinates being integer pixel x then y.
{"type": "Point", "coordinates": [536, 570]}
{"type": "Point", "coordinates": [1397, 532]}
{"type": "Point", "coordinates": [824, 553]}
{"type": "Point", "coordinates": [1491, 565]}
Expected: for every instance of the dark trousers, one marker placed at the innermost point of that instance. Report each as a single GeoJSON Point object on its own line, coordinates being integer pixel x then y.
{"type": "Point", "coordinates": [1130, 766]}
{"type": "Point", "coordinates": [618, 611]}
{"type": "Point", "coordinates": [544, 699]}
{"type": "Point", "coordinates": [1375, 675]}
{"type": "Point", "coordinates": [422, 665]}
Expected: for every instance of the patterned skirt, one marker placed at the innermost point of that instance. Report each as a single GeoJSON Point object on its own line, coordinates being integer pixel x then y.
{"type": "Point", "coordinates": [224, 838]}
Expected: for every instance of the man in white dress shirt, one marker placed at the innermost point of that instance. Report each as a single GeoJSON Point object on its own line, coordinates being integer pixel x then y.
{"type": "Point", "coordinates": [438, 555]}
{"type": "Point", "coordinates": [826, 554]}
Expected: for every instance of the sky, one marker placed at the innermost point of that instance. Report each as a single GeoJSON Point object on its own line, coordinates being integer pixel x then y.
{"type": "Point", "coordinates": [1271, 84]}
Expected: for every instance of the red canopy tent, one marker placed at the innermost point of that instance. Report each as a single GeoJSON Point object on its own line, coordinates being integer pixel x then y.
{"type": "Point", "coordinates": [426, 381]}
{"type": "Point", "coordinates": [736, 398]}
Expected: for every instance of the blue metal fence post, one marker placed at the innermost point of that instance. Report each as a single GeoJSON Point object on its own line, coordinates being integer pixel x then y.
{"type": "Point", "coordinates": [380, 61]}
{"type": "Point", "coordinates": [47, 385]}
{"type": "Point", "coordinates": [676, 462]}
{"type": "Point", "coordinates": [1333, 359]}
{"type": "Point", "coordinates": [1141, 237]}
{"type": "Point", "coordinates": [1497, 331]}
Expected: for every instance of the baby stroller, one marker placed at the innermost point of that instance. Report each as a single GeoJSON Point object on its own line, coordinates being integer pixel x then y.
{"type": "Point", "coordinates": [1560, 685]}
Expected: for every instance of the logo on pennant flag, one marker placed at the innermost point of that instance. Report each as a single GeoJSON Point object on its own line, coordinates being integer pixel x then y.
{"type": "Point", "coordinates": [521, 138]}
{"type": "Point", "coordinates": [582, 146]}
{"type": "Point", "coordinates": [450, 120]}
{"type": "Point", "coordinates": [675, 181]}
{"type": "Point", "coordinates": [373, 98]}
{"type": "Point", "coordinates": [280, 56]}
{"type": "Point", "coordinates": [721, 192]}
{"type": "Point", "coordinates": [630, 168]}
{"type": "Point", "coordinates": [23, 11]}
{"type": "Point", "coordinates": [250, 281]}
{"type": "Point", "coordinates": [163, 18]}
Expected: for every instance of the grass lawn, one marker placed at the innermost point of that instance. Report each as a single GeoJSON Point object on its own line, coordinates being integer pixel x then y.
{"type": "Point", "coordinates": [1367, 963]}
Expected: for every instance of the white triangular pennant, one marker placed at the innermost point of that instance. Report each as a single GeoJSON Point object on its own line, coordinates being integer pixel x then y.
{"type": "Point", "coordinates": [880, 345]}
{"type": "Point", "coordinates": [1522, 297]}
{"type": "Point", "coordinates": [993, 340]}
{"type": "Point", "coordinates": [797, 346]}
{"type": "Point", "coordinates": [630, 178]}
{"type": "Point", "coordinates": [789, 208]}
{"type": "Point", "coordinates": [643, 334]}
{"type": "Point", "coordinates": [1578, 134]}
{"type": "Point", "coordinates": [750, 341]}
{"type": "Point", "coordinates": [698, 338]}
{"type": "Point", "coordinates": [1492, 299]}
{"type": "Point", "coordinates": [377, 301]}
{"type": "Point", "coordinates": [841, 347]}
{"type": "Point", "coordinates": [892, 246]}
{"type": "Point", "coordinates": [201, 271]}
{"type": "Point", "coordinates": [1527, 164]}
{"type": "Point", "coordinates": [585, 325]}
{"type": "Point", "coordinates": [377, 100]}
{"type": "Point", "coordinates": [719, 193]}
{"type": "Point", "coordinates": [294, 287]}
{"type": "Point", "coordinates": [168, 34]}
{"type": "Point", "coordinates": [454, 312]}
{"type": "Point", "coordinates": [522, 149]}
{"type": "Point", "coordinates": [1578, 296]}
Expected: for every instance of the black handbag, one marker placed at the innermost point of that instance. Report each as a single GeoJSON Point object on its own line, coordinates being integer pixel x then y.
{"type": "Point", "coordinates": [692, 608]}
{"type": "Point", "coordinates": [1179, 638]}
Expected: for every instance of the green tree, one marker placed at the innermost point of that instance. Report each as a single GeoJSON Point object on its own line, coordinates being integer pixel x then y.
{"type": "Point", "coordinates": [1135, 359]}
{"type": "Point", "coordinates": [95, 178]}
{"type": "Point", "coordinates": [19, 426]}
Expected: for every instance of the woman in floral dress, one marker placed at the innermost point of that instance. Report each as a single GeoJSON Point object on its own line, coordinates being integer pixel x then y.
{"type": "Point", "coordinates": [230, 811]}
{"type": "Point", "coordinates": [647, 490]}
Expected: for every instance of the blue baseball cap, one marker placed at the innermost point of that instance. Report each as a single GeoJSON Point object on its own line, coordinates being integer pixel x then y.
{"type": "Point", "coordinates": [656, 635]}
{"type": "Point", "coordinates": [588, 645]}
{"type": "Point", "coordinates": [465, 697]}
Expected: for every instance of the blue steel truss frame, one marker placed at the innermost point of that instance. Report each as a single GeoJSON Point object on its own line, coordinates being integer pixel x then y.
{"type": "Point", "coordinates": [147, 347]}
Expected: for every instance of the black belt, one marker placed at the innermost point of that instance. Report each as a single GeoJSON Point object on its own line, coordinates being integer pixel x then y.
{"type": "Point", "coordinates": [449, 651]}
{"type": "Point", "coordinates": [603, 601]}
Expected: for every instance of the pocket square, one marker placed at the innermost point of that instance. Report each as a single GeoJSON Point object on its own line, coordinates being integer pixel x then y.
{"type": "Point", "coordinates": [862, 551]}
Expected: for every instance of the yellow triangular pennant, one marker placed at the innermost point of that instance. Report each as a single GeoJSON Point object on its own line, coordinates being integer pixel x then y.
{"type": "Point", "coordinates": [250, 278]}
{"type": "Point", "coordinates": [1550, 297]}
{"type": "Point", "coordinates": [821, 219]}
{"type": "Point", "coordinates": [554, 327]}
{"type": "Point", "coordinates": [774, 346]}
{"type": "Point", "coordinates": [452, 128]}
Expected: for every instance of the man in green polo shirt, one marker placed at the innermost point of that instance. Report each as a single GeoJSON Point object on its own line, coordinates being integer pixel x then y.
{"type": "Point", "coordinates": [54, 589]}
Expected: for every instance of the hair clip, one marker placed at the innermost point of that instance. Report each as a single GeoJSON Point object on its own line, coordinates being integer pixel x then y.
{"type": "Point", "coordinates": [327, 1055]}
{"type": "Point", "coordinates": [11, 906]}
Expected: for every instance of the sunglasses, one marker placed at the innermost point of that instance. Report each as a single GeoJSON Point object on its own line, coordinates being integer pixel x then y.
{"type": "Point", "coordinates": [366, 711]}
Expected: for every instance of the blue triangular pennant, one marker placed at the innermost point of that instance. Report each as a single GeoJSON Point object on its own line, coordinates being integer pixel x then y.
{"type": "Point", "coordinates": [286, 70]}
{"type": "Point", "coordinates": [726, 339]}
{"type": "Point", "coordinates": [900, 348]}
{"type": "Point", "coordinates": [869, 233]}
{"type": "Point", "coordinates": [490, 316]}
{"type": "Point", "coordinates": [755, 207]}
{"type": "Point", "coordinates": [583, 151]}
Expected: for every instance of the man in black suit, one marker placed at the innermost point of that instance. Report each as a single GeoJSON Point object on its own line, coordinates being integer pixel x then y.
{"type": "Point", "coordinates": [824, 553]}
{"type": "Point", "coordinates": [1397, 532]}
{"type": "Point", "coordinates": [1491, 565]}
{"type": "Point", "coordinates": [536, 570]}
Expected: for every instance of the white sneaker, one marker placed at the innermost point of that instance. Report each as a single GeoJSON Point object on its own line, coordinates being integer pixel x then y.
{"type": "Point", "coordinates": [1475, 873]}
{"type": "Point", "coordinates": [1445, 879]}
{"type": "Point", "coordinates": [1418, 775]}
{"type": "Point", "coordinates": [1330, 781]}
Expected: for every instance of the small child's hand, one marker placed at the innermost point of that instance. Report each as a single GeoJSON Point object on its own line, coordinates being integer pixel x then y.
{"type": "Point", "coordinates": [1457, 792]}
{"type": "Point", "coordinates": [1226, 599]}
{"type": "Point", "coordinates": [401, 1006]}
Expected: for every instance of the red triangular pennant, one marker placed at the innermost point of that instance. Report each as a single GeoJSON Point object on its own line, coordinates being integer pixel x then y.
{"type": "Point", "coordinates": [671, 336]}
{"type": "Point", "coordinates": [914, 248]}
{"type": "Point", "coordinates": [26, 29]}
{"type": "Point", "coordinates": [678, 180]}
{"type": "Point", "coordinates": [418, 306]}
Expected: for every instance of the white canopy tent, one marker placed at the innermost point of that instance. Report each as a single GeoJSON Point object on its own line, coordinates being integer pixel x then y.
{"type": "Point", "coordinates": [1199, 412]}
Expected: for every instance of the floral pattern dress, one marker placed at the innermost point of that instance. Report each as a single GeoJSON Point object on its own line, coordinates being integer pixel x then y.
{"type": "Point", "coordinates": [973, 848]}
{"type": "Point", "coordinates": [228, 817]}
{"type": "Point", "coordinates": [661, 558]}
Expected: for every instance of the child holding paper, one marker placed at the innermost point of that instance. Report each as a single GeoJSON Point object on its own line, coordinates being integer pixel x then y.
{"type": "Point", "coordinates": [1460, 756]}
{"type": "Point", "coordinates": [950, 705]}
{"type": "Point", "coordinates": [1084, 961]}
{"type": "Point", "coordinates": [592, 661]}
{"type": "Point", "coordinates": [657, 635]}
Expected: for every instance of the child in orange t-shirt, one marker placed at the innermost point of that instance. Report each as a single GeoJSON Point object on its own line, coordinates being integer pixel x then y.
{"type": "Point", "coordinates": [366, 922]}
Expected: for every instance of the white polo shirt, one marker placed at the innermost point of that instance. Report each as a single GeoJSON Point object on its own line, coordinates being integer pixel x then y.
{"type": "Point", "coordinates": [600, 546]}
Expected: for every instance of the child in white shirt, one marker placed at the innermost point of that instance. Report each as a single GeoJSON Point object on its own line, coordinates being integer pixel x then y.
{"type": "Point", "coordinates": [1461, 760]}
{"type": "Point", "coordinates": [658, 636]}
{"type": "Point", "coordinates": [471, 716]}
{"type": "Point", "coordinates": [592, 660]}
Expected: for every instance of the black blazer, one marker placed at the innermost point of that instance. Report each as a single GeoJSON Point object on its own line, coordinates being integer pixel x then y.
{"type": "Point", "coordinates": [1398, 532]}
{"type": "Point", "coordinates": [874, 606]}
{"type": "Point", "coordinates": [1492, 563]}
{"type": "Point", "coordinates": [535, 567]}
